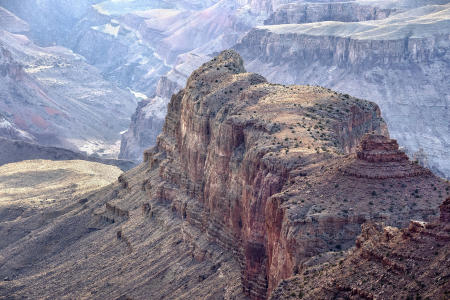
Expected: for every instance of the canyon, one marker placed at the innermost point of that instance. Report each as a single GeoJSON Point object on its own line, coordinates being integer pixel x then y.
{"type": "Point", "coordinates": [399, 62]}
{"type": "Point", "coordinates": [367, 48]}
{"type": "Point", "coordinates": [52, 97]}
{"type": "Point", "coordinates": [249, 184]}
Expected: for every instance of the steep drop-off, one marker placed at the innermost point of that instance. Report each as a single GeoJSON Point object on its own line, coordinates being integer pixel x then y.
{"type": "Point", "coordinates": [248, 184]}
{"type": "Point", "coordinates": [400, 62]}
{"type": "Point", "coordinates": [57, 99]}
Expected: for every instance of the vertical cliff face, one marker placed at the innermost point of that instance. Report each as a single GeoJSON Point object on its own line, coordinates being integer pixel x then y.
{"type": "Point", "coordinates": [394, 62]}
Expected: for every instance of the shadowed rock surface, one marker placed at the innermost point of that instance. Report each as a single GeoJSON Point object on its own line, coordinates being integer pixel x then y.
{"type": "Point", "coordinates": [16, 150]}
{"type": "Point", "coordinates": [245, 187]}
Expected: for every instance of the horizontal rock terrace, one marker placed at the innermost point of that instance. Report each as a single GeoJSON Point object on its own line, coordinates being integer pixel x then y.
{"type": "Point", "coordinates": [378, 148]}
{"type": "Point", "coordinates": [379, 157]}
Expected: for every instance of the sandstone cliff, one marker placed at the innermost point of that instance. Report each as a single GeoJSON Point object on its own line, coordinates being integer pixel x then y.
{"type": "Point", "coordinates": [249, 183]}
{"type": "Point", "coordinates": [398, 62]}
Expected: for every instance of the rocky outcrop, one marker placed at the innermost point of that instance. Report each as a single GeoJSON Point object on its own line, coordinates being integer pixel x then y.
{"type": "Point", "coordinates": [379, 157]}
{"type": "Point", "coordinates": [244, 183]}
{"type": "Point", "coordinates": [387, 263]}
{"type": "Point", "coordinates": [391, 61]}
{"type": "Point", "coordinates": [148, 120]}
{"type": "Point", "coordinates": [378, 148]}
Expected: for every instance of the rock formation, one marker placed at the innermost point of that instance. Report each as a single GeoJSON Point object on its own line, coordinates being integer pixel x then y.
{"type": "Point", "coordinates": [147, 121]}
{"type": "Point", "coordinates": [298, 13]}
{"type": "Point", "coordinates": [379, 157]}
{"type": "Point", "coordinates": [387, 263]}
{"type": "Point", "coordinates": [397, 62]}
{"type": "Point", "coordinates": [244, 189]}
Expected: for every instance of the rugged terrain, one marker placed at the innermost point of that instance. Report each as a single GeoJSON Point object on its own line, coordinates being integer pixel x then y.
{"type": "Point", "coordinates": [387, 263]}
{"type": "Point", "coordinates": [399, 62]}
{"type": "Point", "coordinates": [371, 49]}
{"type": "Point", "coordinates": [249, 183]}
{"type": "Point", "coordinates": [407, 84]}
{"type": "Point", "coordinates": [53, 97]}
{"type": "Point", "coordinates": [35, 193]}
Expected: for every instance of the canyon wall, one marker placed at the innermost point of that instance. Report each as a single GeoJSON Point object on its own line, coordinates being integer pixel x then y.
{"type": "Point", "coordinates": [393, 62]}
{"type": "Point", "coordinates": [298, 13]}
{"type": "Point", "coordinates": [55, 98]}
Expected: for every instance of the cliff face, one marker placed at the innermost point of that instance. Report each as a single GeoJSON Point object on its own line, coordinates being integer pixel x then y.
{"type": "Point", "coordinates": [148, 120]}
{"type": "Point", "coordinates": [387, 263]}
{"type": "Point", "coordinates": [297, 13]}
{"type": "Point", "coordinates": [248, 180]}
{"type": "Point", "coordinates": [393, 62]}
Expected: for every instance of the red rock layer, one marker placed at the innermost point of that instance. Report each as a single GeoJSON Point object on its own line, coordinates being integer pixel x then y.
{"type": "Point", "coordinates": [378, 148]}
{"type": "Point", "coordinates": [388, 263]}
{"type": "Point", "coordinates": [379, 158]}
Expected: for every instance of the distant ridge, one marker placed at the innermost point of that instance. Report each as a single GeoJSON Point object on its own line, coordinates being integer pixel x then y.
{"type": "Point", "coordinates": [15, 151]}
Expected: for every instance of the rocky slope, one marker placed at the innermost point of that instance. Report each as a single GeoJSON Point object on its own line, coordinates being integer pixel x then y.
{"type": "Point", "coordinates": [34, 193]}
{"type": "Point", "coordinates": [9, 131]}
{"type": "Point", "coordinates": [57, 99]}
{"type": "Point", "coordinates": [400, 63]}
{"type": "Point", "coordinates": [248, 183]}
{"type": "Point", "coordinates": [12, 23]}
{"type": "Point", "coordinates": [387, 263]}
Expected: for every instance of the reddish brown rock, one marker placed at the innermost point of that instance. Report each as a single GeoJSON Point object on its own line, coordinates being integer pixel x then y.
{"type": "Point", "coordinates": [445, 211]}
{"type": "Point", "coordinates": [379, 157]}
{"type": "Point", "coordinates": [388, 263]}
{"type": "Point", "coordinates": [249, 175]}
{"type": "Point", "coordinates": [379, 148]}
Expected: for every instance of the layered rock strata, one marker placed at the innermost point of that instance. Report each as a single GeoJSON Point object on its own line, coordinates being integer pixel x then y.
{"type": "Point", "coordinates": [298, 13]}
{"type": "Point", "coordinates": [398, 62]}
{"type": "Point", "coordinates": [387, 263]}
{"type": "Point", "coordinates": [245, 183]}
{"type": "Point", "coordinates": [379, 157]}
